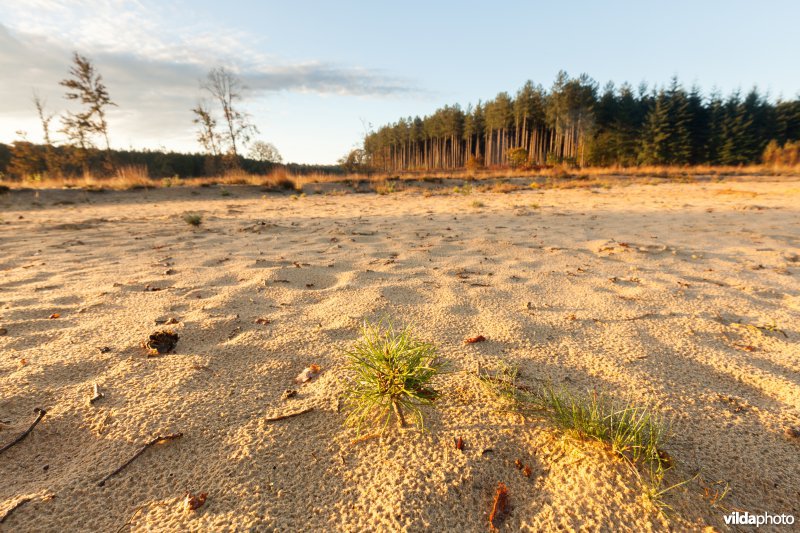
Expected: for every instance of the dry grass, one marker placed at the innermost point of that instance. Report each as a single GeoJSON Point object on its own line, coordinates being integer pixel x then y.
{"type": "Point", "coordinates": [561, 177]}
{"type": "Point", "coordinates": [134, 177]}
{"type": "Point", "coordinates": [565, 172]}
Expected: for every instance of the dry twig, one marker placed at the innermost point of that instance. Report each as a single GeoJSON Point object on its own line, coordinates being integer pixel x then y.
{"type": "Point", "coordinates": [160, 438]}
{"type": "Point", "coordinates": [290, 415]}
{"type": "Point", "coordinates": [39, 415]}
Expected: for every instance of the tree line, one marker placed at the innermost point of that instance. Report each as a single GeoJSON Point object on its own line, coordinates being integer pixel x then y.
{"type": "Point", "coordinates": [577, 123]}
{"type": "Point", "coordinates": [85, 146]}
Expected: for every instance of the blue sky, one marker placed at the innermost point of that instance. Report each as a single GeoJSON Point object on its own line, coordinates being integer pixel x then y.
{"type": "Point", "coordinates": [318, 69]}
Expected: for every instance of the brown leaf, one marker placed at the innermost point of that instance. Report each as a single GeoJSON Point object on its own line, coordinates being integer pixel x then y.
{"type": "Point", "coordinates": [264, 321]}
{"type": "Point", "coordinates": [473, 340]}
{"type": "Point", "coordinates": [55, 315]}
{"type": "Point", "coordinates": [499, 506]}
{"type": "Point", "coordinates": [23, 362]}
{"type": "Point", "coordinates": [459, 443]}
{"type": "Point", "coordinates": [526, 471]}
{"type": "Point", "coordinates": [192, 503]}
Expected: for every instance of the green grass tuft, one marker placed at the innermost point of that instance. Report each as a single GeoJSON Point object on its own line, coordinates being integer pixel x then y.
{"type": "Point", "coordinates": [392, 373]}
{"type": "Point", "coordinates": [193, 219]}
{"type": "Point", "coordinates": [634, 432]}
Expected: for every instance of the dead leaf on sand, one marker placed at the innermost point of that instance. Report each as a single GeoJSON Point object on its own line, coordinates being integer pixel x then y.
{"type": "Point", "coordinates": [192, 503]}
{"type": "Point", "coordinates": [473, 340]}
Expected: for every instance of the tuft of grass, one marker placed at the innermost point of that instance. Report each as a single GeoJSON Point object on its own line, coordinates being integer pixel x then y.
{"type": "Point", "coordinates": [477, 203]}
{"type": "Point", "coordinates": [193, 219]}
{"type": "Point", "coordinates": [634, 432]}
{"type": "Point", "coordinates": [392, 373]}
{"type": "Point", "coordinates": [631, 431]}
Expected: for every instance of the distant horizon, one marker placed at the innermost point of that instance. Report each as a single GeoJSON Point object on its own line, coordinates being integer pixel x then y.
{"type": "Point", "coordinates": [318, 77]}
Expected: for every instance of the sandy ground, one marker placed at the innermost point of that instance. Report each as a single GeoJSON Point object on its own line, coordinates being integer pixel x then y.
{"type": "Point", "coordinates": [646, 292]}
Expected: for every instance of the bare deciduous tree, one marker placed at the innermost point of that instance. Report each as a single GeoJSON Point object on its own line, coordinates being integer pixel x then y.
{"type": "Point", "coordinates": [226, 88]}
{"type": "Point", "coordinates": [45, 119]}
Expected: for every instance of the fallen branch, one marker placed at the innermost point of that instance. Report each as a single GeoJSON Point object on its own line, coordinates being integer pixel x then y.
{"type": "Point", "coordinates": [39, 415]}
{"type": "Point", "coordinates": [290, 415]}
{"type": "Point", "coordinates": [13, 508]}
{"type": "Point", "coordinates": [160, 438]}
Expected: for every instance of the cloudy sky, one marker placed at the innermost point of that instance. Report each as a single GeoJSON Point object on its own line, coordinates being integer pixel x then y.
{"type": "Point", "coordinates": [317, 72]}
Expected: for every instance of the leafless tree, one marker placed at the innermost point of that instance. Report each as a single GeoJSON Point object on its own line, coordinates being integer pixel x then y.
{"type": "Point", "coordinates": [45, 119]}
{"type": "Point", "coordinates": [226, 89]}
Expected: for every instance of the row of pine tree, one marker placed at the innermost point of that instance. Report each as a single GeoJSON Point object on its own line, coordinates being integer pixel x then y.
{"type": "Point", "coordinates": [577, 123]}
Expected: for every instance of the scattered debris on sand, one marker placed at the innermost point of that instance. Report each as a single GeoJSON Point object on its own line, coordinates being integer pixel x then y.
{"type": "Point", "coordinates": [161, 342]}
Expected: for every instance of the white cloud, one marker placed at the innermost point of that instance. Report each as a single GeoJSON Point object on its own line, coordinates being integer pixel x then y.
{"type": "Point", "coordinates": [151, 66]}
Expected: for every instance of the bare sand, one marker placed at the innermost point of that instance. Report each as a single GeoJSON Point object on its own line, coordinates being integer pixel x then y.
{"type": "Point", "coordinates": [648, 292]}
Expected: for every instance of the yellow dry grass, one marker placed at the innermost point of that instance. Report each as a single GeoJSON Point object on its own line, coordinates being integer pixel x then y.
{"type": "Point", "coordinates": [561, 177]}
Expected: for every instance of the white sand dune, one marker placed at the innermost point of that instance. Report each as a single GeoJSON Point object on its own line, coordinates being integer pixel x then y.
{"type": "Point", "coordinates": [646, 292]}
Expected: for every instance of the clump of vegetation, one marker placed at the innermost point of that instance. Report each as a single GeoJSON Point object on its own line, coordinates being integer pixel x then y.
{"type": "Point", "coordinates": [778, 155]}
{"type": "Point", "coordinates": [477, 203]}
{"type": "Point", "coordinates": [634, 432]}
{"type": "Point", "coordinates": [386, 187]}
{"type": "Point", "coordinates": [517, 157]}
{"type": "Point", "coordinates": [631, 431]}
{"type": "Point", "coordinates": [392, 374]}
{"type": "Point", "coordinates": [193, 219]}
